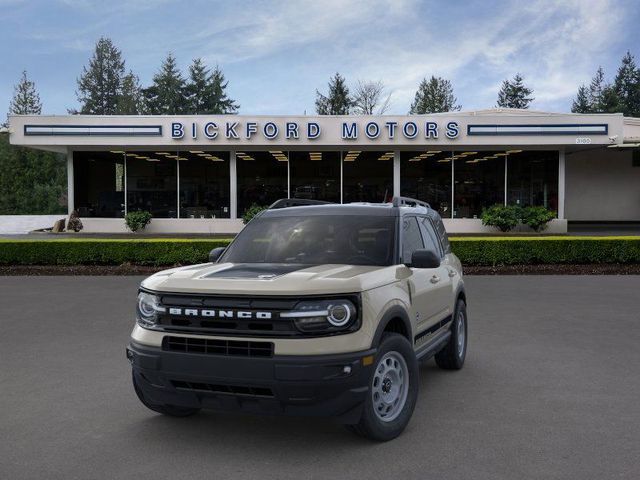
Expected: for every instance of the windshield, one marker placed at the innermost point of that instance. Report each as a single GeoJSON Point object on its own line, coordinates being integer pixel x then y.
{"type": "Point", "coordinates": [315, 240]}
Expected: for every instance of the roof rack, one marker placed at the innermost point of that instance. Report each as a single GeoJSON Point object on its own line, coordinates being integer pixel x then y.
{"type": "Point", "coordinates": [295, 202]}
{"type": "Point", "coordinates": [408, 201]}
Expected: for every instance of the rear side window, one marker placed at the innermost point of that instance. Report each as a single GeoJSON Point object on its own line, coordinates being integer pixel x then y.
{"type": "Point", "coordinates": [430, 237]}
{"type": "Point", "coordinates": [411, 238]}
{"type": "Point", "coordinates": [442, 234]}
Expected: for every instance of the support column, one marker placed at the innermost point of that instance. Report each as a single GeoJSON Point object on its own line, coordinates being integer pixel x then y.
{"type": "Point", "coordinates": [561, 183]}
{"type": "Point", "coordinates": [506, 168]}
{"type": "Point", "coordinates": [70, 193]}
{"type": "Point", "coordinates": [233, 186]}
{"type": "Point", "coordinates": [453, 182]}
{"type": "Point", "coordinates": [396, 173]}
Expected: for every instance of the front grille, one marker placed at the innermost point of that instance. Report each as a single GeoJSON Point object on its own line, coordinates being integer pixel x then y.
{"type": "Point", "coordinates": [218, 347]}
{"type": "Point", "coordinates": [220, 388]}
{"type": "Point", "coordinates": [274, 326]}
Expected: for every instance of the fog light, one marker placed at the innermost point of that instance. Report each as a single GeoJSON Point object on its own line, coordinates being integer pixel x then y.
{"type": "Point", "coordinates": [130, 356]}
{"type": "Point", "coordinates": [346, 369]}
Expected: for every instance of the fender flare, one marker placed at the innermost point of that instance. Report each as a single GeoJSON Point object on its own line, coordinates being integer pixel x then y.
{"type": "Point", "coordinates": [395, 311]}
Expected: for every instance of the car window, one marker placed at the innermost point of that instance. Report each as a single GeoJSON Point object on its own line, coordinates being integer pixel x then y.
{"type": "Point", "coordinates": [430, 238]}
{"type": "Point", "coordinates": [442, 234]}
{"type": "Point", "coordinates": [411, 238]}
{"type": "Point", "coordinates": [315, 240]}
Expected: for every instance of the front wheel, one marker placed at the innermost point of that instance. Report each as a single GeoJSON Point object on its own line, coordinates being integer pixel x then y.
{"type": "Point", "coordinates": [169, 410]}
{"type": "Point", "coordinates": [452, 356]}
{"type": "Point", "coordinates": [393, 390]}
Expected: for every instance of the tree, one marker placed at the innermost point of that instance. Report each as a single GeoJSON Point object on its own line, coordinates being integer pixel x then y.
{"type": "Point", "coordinates": [206, 92]}
{"type": "Point", "coordinates": [596, 89]}
{"type": "Point", "coordinates": [581, 104]}
{"type": "Point", "coordinates": [166, 96]}
{"type": "Point", "coordinates": [434, 95]}
{"type": "Point", "coordinates": [627, 86]}
{"type": "Point", "coordinates": [514, 93]}
{"type": "Point", "coordinates": [99, 86]}
{"type": "Point", "coordinates": [370, 98]}
{"type": "Point", "coordinates": [130, 100]}
{"type": "Point", "coordinates": [337, 101]}
{"type": "Point", "coordinates": [26, 100]}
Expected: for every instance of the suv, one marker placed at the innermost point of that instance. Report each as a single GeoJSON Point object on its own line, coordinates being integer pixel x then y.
{"type": "Point", "coordinates": [320, 310]}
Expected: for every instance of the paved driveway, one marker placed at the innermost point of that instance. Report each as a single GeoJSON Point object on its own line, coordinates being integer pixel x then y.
{"type": "Point", "coordinates": [551, 389]}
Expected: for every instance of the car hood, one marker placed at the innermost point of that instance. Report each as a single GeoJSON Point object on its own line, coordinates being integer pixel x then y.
{"type": "Point", "coordinates": [270, 279]}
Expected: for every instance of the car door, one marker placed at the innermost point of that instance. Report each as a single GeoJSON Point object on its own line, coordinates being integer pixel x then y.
{"type": "Point", "coordinates": [440, 295]}
{"type": "Point", "coordinates": [422, 282]}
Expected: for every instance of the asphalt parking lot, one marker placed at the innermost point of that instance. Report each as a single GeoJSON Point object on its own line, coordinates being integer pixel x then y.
{"type": "Point", "coordinates": [551, 389]}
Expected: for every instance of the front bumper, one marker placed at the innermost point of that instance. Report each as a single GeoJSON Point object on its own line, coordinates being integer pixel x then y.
{"type": "Point", "coordinates": [315, 385]}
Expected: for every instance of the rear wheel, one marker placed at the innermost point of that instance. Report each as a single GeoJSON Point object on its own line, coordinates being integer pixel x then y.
{"type": "Point", "coordinates": [452, 356]}
{"type": "Point", "coordinates": [170, 410]}
{"type": "Point", "coordinates": [393, 390]}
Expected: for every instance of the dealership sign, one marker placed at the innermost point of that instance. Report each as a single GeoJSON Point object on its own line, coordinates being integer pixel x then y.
{"type": "Point", "coordinates": [347, 130]}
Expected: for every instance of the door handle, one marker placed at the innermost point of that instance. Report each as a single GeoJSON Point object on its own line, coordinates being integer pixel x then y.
{"type": "Point", "coordinates": [452, 273]}
{"type": "Point", "coordinates": [435, 279]}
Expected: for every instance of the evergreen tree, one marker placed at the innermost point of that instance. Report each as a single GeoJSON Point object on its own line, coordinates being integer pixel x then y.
{"type": "Point", "coordinates": [627, 86]}
{"type": "Point", "coordinates": [130, 101]}
{"type": "Point", "coordinates": [596, 88]}
{"type": "Point", "coordinates": [337, 101]}
{"type": "Point", "coordinates": [222, 103]}
{"type": "Point", "coordinates": [434, 95]}
{"type": "Point", "coordinates": [26, 100]}
{"type": "Point", "coordinates": [581, 104]}
{"type": "Point", "coordinates": [166, 96]}
{"type": "Point", "coordinates": [514, 93]}
{"type": "Point", "coordinates": [206, 92]}
{"type": "Point", "coordinates": [100, 84]}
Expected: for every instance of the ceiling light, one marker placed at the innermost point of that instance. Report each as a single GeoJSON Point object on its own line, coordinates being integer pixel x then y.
{"type": "Point", "coordinates": [196, 151]}
{"type": "Point", "coordinates": [444, 160]}
{"type": "Point", "coordinates": [117, 151]}
{"type": "Point", "coordinates": [500, 154]}
{"type": "Point", "coordinates": [161, 153]}
{"type": "Point", "coordinates": [152, 160]}
{"type": "Point", "coordinates": [434, 151]}
{"type": "Point", "coordinates": [514, 151]}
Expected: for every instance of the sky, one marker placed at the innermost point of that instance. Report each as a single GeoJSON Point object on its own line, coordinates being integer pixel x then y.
{"type": "Point", "coordinates": [275, 54]}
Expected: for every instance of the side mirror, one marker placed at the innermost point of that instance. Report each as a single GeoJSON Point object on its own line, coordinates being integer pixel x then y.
{"type": "Point", "coordinates": [424, 259]}
{"type": "Point", "coordinates": [214, 254]}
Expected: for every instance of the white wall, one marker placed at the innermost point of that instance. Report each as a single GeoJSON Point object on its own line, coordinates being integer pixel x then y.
{"type": "Point", "coordinates": [12, 224]}
{"type": "Point", "coordinates": [602, 185]}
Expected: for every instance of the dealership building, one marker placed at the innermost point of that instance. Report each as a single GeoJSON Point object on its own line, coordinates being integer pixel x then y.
{"type": "Point", "coordinates": [199, 174]}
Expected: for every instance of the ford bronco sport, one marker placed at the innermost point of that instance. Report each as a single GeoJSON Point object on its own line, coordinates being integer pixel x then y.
{"type": "Point", "coordinates": [320, 310]}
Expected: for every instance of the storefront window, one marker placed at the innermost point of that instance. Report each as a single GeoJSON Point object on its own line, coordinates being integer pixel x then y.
{"type": "Point", "coordinates": [478, 182]}
{"type": "Point", "coordinates": [315, 175]}
{"type": "Point", "coordinates": [262, 178]}
{"type": "Point", "coordinates": [204, 184]}
{"type": "Point", "coordinates": [99, 184]}
{"type": "Point", "coordinates": [152, 183]}
{"type": "Point", "coordinates": [426, 176]}
{"type": "Point", "coordinates": [367, 176]}
{"type": "Point", "coordinates": [532, 178]}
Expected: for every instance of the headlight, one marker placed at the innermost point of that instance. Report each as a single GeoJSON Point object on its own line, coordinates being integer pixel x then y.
{"type": "Point", "coordinates": [148, 309]}
{"type": "Point", "coordinates": [324, 316]}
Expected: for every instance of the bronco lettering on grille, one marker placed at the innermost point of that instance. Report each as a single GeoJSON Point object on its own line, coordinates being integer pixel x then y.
{"type": "Point", "coordinates": [243, 314]}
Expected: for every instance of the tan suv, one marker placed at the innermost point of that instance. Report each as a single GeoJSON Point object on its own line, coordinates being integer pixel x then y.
{"type": "Point", "coordinates": [316, 310]}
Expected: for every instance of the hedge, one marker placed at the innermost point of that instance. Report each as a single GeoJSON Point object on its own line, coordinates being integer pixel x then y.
{"type": "Point", "coordinates": [546, 250]}
{"type": "Point", "coordinates": [159, 252]}
{"type": "Point", "coordinates": [164, 252]}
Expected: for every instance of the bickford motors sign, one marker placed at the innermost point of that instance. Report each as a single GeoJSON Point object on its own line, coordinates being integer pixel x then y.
{"type": "Point", "coordinates": [290, 130]}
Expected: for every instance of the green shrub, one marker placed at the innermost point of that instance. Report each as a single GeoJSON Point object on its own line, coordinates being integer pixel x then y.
{"type": "Point", "coordinates": [167, 252]}
{"type": "Point", "coordinates": [137, 220]}
{"type": "Point", "coordinates": [252, 211]}
{"type": "Point", "coordinates": [107, 252]}
{"type": "Point", "coordinates": [503, 217]}
{"type": "Point", "coordinates": [546, 250]}
{"type": "Point", "coordinates": [537, 217]}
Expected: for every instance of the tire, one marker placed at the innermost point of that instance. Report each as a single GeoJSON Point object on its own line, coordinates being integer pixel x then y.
{"type": "Point", "coordinates": [452, 356]}
{"type": "Point", "coordinates": [169, 410]}
{"type": "Point", "coordinates": [395, 376]}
